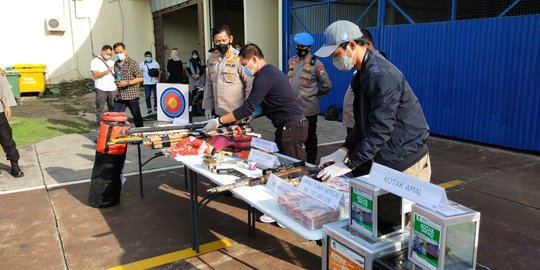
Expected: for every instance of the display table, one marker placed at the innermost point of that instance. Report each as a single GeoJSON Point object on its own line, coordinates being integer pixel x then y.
{"type": "Point", "coordinates": [257, 197]}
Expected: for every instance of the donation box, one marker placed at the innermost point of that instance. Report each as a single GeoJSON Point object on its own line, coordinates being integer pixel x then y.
{"type": "Point", "coordinates": [374, 212]}
{"type": "Point", "coordinates": [345, 250]}
{"type": "Point", "coordinates": [444, 242]}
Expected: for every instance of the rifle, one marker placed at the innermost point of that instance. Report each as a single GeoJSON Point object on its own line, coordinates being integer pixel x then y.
{"type": "Point", "coordinates": [148, 130]}
{"type": "Point", "coordinates": [261, 180]}
{"type": "Point", "coordinates": [158, 141]}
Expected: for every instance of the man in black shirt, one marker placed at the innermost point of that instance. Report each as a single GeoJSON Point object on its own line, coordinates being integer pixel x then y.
{"type": "Point", "coordinates": [274, 94]}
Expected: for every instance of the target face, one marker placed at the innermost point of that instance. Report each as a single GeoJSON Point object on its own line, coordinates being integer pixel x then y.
{"type": "Point", "coordinates": [173, 102]}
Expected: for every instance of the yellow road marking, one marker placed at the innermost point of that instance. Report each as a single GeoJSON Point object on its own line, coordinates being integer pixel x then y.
{"type": "Point", "coordinates": [173, 256]}
{"type": "Point", "coordinates": [450, 184]}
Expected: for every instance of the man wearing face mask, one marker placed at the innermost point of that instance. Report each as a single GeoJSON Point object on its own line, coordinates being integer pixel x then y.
{"type": "Point", "coordinates": [226, 84]}
{"type": "Point", "coordinates": [128, 78]}
{"type": "Point", "coordinates": [150, 80]}
{"type": "Point", "coordinates": [305, 74]}
{"type": "Point", "coordinates": [390, 127]}
{"type": "Point", "coordinates": [102, 68]}
{"type": "Point", "coordinates": [273, 93]}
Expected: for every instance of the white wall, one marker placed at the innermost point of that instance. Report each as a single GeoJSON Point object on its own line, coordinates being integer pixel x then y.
{"type": "Point", "coordinates": [180, 30]}
{"type": "Point", "coordinates": [261, 26]}
{"type": "Point", "coordinates": [68, 54]}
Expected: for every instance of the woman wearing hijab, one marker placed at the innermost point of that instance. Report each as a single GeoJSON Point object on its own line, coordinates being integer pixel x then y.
{"type": "Point", "coordinates": [175, 68]}
{"type": "Point", "coordinates": [196, 70]}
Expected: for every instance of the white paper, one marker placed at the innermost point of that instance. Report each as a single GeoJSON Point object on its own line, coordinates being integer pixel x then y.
{"type": "Point", "coordinates": [264, 145]}
{"type": "Point", "coordinates": [172, 102]}
{"type": "Point", "coordinates": [180, 121]}
{"type": "Point", "coordinates": [408, 187]}
{"type": "Point", "coordinates": [265, 159]}
{"type": "Point", "coordinates": [321, 192]}
{"type": "Point", "coordinates": [279, 186]}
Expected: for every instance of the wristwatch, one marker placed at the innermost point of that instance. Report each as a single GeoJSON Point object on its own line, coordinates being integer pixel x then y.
{"type": "Point", "coordinates": [348, 162]}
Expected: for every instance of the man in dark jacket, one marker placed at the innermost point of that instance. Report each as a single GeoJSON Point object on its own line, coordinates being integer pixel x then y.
{"type": "Point", "coordinates": [390, 127]}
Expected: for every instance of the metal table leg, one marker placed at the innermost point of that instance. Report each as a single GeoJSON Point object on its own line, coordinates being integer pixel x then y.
{"type": "Point", "coordinates": [140, 170]}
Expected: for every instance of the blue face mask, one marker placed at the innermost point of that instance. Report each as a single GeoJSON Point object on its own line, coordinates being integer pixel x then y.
{"type": "Point", "coordinates": [148, 59]}
{"type": "Point", "coordinates": [248, 71]}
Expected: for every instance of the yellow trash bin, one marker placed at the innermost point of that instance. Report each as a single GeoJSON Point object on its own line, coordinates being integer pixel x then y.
{"type": "Point", "coordinates": [32, 78]}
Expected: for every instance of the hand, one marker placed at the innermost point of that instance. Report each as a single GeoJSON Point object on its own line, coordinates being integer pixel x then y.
{"type": "Point", "coordinates": [338, 169]}
{"type": "Point", "coordinates": [8, 112]}
{"type": "Point", "coordinates": [336, 157]}
{"type": "Point", "coordinates": [111, 69]}
{"type": "Point", "coordinates": [208, 114]}
{"type": "Point", "coordinates": [211, 125]}
{"type": "Point", "coordinates": [122, 84]}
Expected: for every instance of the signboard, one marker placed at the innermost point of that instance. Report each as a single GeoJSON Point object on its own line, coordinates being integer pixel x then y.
{"type": "Point", "coordinates": [321, 192]}
{"type": "Point", "coordinates": [279, 186]}
{"type": "Point", "coordinates": [426, 240]}
{"type": "Point", "coordinates": [173, 103]}
{"type": "Point", "coordinates": [262, 158]}
{"type": "Point", "coordinates": [341, 257]}
{"type": "Point", "coordinates": [361, 211]}
{"type": "Point", "coordinates": [408, 187]}
{"type": "Point", "coordinates": [264, 145]}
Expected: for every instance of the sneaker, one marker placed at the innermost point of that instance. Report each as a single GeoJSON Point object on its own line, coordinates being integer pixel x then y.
{"type": "Point", "coordinates": [281, 225]}
{"type": "Point", "coordinates": [266, 219]}
{"type": "Point", "coordinates": [149, 111]}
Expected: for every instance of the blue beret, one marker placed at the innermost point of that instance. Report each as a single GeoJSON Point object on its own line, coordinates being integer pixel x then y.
{"type": "Point", "coordinates": [304, 39]}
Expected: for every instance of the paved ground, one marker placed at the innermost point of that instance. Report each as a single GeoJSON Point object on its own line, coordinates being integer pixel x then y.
{"type": "Point", "coordinates": [53, 228]}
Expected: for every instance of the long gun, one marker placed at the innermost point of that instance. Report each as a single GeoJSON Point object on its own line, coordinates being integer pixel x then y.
{"type": "Point", "coordinates": [149, 130]}
{"type": "Point", "coordinates": [261, 180]}
{"type": "Point", "coordinates": [169, 138]}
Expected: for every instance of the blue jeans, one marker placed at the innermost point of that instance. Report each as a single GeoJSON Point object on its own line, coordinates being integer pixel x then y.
{"type": "Point", "coordinates": [133, 105]}
{"type": "Point", "coordinates": [148, 90]}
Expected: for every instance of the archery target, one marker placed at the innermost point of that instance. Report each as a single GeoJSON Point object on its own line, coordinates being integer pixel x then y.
{"type": "Point", "coordinates": [173, 102]}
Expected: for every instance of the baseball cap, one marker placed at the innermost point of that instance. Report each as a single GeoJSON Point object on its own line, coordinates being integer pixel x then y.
{"type": "Point", "coordinates": [304, 39]}
{"type": "Point", "coordinates": [337, 33]}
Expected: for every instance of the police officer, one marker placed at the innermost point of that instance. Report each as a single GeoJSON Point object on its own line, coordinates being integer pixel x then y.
{"type": "Point", "coordinates": [305, 74]}
{"type": "Point", "coordinates": [226, 84]}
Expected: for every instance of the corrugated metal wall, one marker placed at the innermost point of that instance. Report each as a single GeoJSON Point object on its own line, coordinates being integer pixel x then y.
{"type": "Point", "coordinates": [477, 80]}
{"type": "Point", "coordinates": [157, 5]}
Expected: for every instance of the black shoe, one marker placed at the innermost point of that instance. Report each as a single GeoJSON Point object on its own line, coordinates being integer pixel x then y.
{"type": "Point", "coordinates": [17, 173]}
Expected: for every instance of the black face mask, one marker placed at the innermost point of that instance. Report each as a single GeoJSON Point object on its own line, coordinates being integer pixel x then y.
{"type": "Point", "coordinates": [222, 48]}
{"type": "Point", "coordinates": [302, 52]}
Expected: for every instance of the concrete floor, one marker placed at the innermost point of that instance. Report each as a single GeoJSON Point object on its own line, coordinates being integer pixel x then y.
{"type": "Point", "coordinates": [54, 228]}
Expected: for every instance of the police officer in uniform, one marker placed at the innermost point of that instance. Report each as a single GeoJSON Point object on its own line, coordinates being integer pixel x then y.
{"type": "Point", "coordinates": [226, 84]}
{"type": "Point", "coordinates": [305, 74]}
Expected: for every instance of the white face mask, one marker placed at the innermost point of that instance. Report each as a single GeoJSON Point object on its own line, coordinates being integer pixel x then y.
{"type": "Point", "coordinates": [120, 56]}
{"type": "Point", "coordinates": [344, 63]}
{"type": "Point", "coordinates": [194, 56]}
{"type": "Point", "coordinates": [106, 57]}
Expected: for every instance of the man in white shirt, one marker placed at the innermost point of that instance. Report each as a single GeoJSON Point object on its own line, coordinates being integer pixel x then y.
{"type": "Point", "coordinates": [102, 68]}
{"type": "Point", "coordinates": [151, 72]}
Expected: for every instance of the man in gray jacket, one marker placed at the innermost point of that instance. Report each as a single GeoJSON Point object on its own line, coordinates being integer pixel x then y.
{"type": "Point", "coordinates": [390, 127]}
{"type": "Point", "coordinates": [6, 135]}
{"type": "Point", "coordinates": [305, 74]}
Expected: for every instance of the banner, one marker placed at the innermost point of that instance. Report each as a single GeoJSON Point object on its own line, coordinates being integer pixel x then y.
{"type": "Point", "coordinates": [173, 103]}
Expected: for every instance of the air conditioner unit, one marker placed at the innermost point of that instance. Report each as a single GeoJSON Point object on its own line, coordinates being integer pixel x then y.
{"type": "Point", "coordinates": [55, 24]}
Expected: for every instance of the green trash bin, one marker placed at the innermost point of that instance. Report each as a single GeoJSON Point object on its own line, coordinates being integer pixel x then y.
{"type": "Point", "coordinates": [13, 79]}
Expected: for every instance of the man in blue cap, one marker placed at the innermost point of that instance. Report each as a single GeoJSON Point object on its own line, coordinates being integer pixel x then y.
{"type": "Point", "coordinates": [305, 74]}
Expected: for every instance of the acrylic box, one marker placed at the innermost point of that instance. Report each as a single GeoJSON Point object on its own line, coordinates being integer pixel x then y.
{"type": "Point", "coordinates": [374, 212]}
{"type": "Point", "coordinates": [344, 250]}
{"type": "Point", "coordinates": [444, 242]}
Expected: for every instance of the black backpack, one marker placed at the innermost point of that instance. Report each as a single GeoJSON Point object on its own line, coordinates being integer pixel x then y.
{"type": "Point", "coordinates": [152, 72]}
{"type": "Point", "coordinates": [331, 114]}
